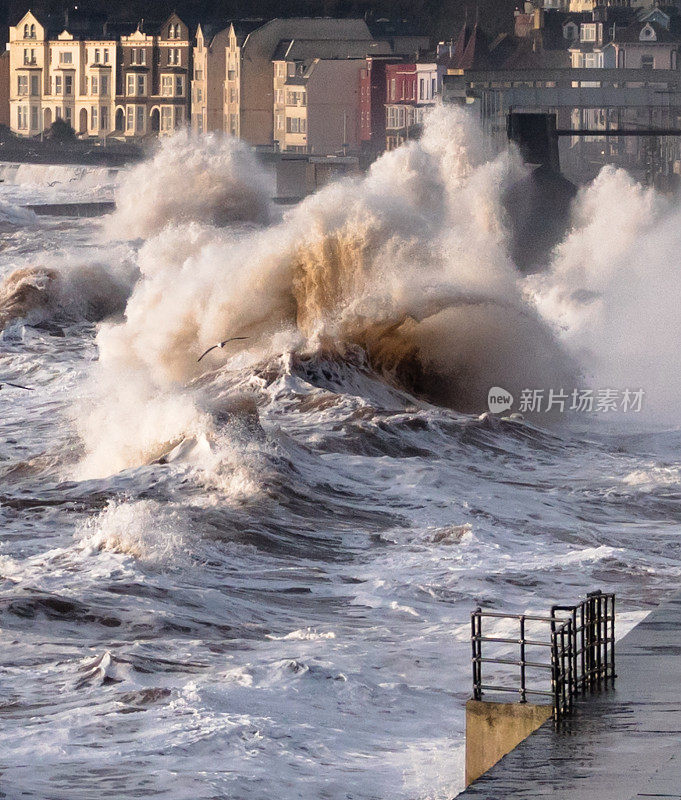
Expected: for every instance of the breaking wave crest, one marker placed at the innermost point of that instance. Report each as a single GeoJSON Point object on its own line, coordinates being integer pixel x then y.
{"type": "Point", "coordinates": [66, 292]}
{"type": "Point", "coordinates": [409, 262]}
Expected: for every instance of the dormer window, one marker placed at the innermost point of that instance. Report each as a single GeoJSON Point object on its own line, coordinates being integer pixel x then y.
{"type": "Point", "coordinates": [29, 31]}
{"type": "Point", "coordinates": [589, 32]}
{"type": "Point", "coordinates": [647, 34]}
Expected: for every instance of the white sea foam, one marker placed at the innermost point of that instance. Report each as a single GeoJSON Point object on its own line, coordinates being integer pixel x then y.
{"type": "Point", "coordinates": [214, 181]}
{"type": "Point", "coordinates": [144, 529]}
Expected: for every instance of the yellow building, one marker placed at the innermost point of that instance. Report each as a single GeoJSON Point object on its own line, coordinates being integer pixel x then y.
{"type": "Point", "coordinates": [60, 78]}
{"type": "Point", "coordinates": [131, 86]}
{"type": "Point", "coordinates": [249, 99]}
{"type": "Point", "coordinates": [209, 79]}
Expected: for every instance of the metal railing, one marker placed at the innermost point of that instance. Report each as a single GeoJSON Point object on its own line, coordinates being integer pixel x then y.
{"type": "Point", "coordinates": [580, 645]}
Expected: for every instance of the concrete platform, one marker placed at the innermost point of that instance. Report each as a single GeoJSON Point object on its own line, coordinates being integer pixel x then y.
{"type": "Point", "coordinates": [619, 745]}
{"type": "Point", "coordinates": [86, 209]}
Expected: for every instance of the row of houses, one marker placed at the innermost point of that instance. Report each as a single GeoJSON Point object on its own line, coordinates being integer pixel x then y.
{"type": "Point", "coordinates": [303, 85]}
{"type": "Point", "coordinates": [312, 85]}
{"type": "Point", "coordinates": [611, 35]}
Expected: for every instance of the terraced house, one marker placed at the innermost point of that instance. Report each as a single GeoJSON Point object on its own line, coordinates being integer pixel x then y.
{"type": "Point", "coordinates": [153, 80]}
{"type": "Point", "coordinates": [55, 75]}
{"type": "Point", "coordinates": [100, 84]}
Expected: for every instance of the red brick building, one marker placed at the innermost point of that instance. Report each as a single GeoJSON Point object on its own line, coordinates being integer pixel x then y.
{"type": "Point", "coordinates": [372, 99]}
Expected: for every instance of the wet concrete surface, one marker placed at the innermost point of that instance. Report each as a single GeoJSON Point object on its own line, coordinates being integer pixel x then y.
{"type": "Point", "coordinates": [621, 744]}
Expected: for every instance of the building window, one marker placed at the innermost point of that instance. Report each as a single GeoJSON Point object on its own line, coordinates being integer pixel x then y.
{"type": "Point", "coordinates": [104, 117]}
{"type": "Point", "coordinates": [138, 56]}
{"type": "Point", "coordinates": [296, 125]}
{"type": "Point", "coordinates": [179, 85]}
{"type": "Point", "coordinates": [106, 56]}
{"type": "Point", "coordinates": [29, 56]}
{"type": "Point", "coordinates": [198, 74]}
{"type": "Point", "coordinates": [589, 32]}
{"type": "Point", "coordinates": [647, 62]}
{"type": "Point", "coordinates": [136, 85]}
{"type": "Point", "coordinates": [231, 74]}
{"type": "Point", "coordinates": [233, 124]}
{"type": "Point", "coordinates": [167, 85]}
{"type": "Point", "coordinates": [94, 84]}
{"type": "Point", "coordinates": [166, 118]}
{"type": "Point", "coordinates": [65, 57]}
{"type": "Point", "coordinates": [57, 84]}
{"type": "Point", "coordinates": [280, 122]}
{"type": "Point", "coordinates": [35, 85]}
{"type": "Point", "coordinates": [67, 114]}
{"type": "Point", "coordinates": [34, 118]}
{"type": "Point", "coordinates": [22, 84]}
{"type": "Point", "coordinates": [296, 98]}
{"type": "Point", "coordinates": [104, 85]}
{"type": "Point", "coordinates": [29, 31]}
{"type": "Point", "coordinates": [22, 118]}
{"type": "Point", "coordinates": [199, 95]}
{"type": "Point", "coordinates": [130, 118]}
{"type": "Point", "coordinates": [392, 89]}
{"type": "Point", "coordinates": [174, 56]}
{"type": "Point", "coordinates": [93, 118]}
{"type": "Point", "coordinates": [140, 117]}
{"type": "Point", "coordinates": [68, 84]}
{"type": "Point", "coordinates": [97, 56]}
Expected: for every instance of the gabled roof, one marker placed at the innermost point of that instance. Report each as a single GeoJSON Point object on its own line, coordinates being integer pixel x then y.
{"type": "Point", "coordinates": [264, 40]}
{"type": "Point", "coordinates": [302, 49]}
{"type": "Point", "coordinates": [632, 33]}
{"type": "Point", "coordinates": [476, 54]}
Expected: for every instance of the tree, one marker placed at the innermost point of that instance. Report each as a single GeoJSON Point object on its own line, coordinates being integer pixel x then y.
{"type": "Point", "coordinates": [61, 131]}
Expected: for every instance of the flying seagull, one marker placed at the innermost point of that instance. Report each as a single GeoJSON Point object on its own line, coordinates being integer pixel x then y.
{"type": "Point", "coordinates": [222, 344]}
{"type": "Point", "coordinates": [16, 386]}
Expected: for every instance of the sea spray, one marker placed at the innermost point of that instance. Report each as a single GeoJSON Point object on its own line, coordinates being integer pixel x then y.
{"type": "Point", "coordinates": [612, 290]}
{"type": "Point", "coordinates": [216, 181]}
{"type": "Point", "coordinates": [409, 262]}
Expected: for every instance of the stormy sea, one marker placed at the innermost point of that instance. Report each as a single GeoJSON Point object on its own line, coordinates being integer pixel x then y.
{"type": "Point", "coordinates": [250, 576]}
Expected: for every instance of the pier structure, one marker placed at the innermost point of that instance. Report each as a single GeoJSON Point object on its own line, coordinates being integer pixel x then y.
{"type": "Point", "coordinates": [622, 744]}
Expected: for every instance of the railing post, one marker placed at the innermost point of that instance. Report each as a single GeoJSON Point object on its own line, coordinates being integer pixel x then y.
{"type": "Point", "coordinates": [523, 696]}
{"type": "Point", "coordinates": [612, 639]}
{"type": "Point", "coordinates": [554, 673]}
{"type": "Point", "coordinates": [476, 644]}
{"type": "Point", "coordinates": [582, 654]}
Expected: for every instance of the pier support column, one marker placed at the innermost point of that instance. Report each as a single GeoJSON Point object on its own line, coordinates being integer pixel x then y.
{"type": "Point", "coordinates": [494, 729]}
